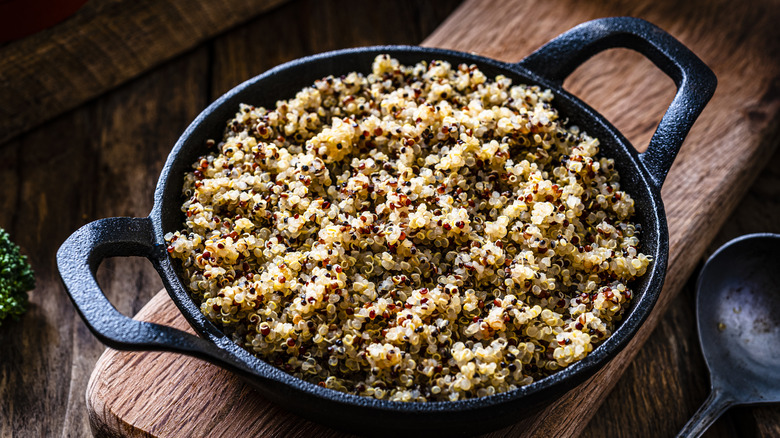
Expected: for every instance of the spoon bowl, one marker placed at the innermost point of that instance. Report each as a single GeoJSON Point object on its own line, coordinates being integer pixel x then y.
{"type": "Point", "coordinates": [738, 312]}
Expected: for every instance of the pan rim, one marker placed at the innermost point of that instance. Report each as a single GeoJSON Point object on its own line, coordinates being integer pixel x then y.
{"type": "Point", "coordinates": [563, 379]}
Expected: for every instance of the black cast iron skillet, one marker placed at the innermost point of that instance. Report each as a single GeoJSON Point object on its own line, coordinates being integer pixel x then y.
{"type": "Point", "coordinates": [641, 175]}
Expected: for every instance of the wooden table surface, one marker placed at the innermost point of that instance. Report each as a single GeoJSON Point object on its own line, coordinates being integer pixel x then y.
{"type": "Point", "coordinates": [102, 159]}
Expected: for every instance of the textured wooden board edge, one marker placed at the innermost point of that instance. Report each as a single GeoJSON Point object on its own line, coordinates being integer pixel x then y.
{"type": "Point", "coordinates": [151, 401]}
{"type": "Point", "coordinates": [159, 398]}
{"type": "Point", "coordinates": [103, 45]}
{"type": "Point", "coordinates": [722, 185]}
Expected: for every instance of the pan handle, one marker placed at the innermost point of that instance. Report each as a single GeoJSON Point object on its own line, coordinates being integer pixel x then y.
{"type": "Point", "coordinates": [694, 80]}
{"type": "Point", "coordinates": [78, 259]}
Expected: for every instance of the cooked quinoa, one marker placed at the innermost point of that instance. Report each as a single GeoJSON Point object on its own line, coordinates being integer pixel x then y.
{"type": "Point", "coordinates": [422, 233]}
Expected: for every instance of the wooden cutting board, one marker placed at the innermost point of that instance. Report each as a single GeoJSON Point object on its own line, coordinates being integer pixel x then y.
{"type": "Point", "coordinates": [161, 394]}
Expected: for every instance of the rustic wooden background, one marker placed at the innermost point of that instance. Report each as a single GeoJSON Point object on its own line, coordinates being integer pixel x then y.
{"type": "Point", "coordinates": [103, 45]}
{"type": "Point", "coordinates": [102, 159]}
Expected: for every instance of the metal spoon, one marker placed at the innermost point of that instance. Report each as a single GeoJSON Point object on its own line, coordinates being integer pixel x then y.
{"type": "Point", "coordinates": [738, 309]}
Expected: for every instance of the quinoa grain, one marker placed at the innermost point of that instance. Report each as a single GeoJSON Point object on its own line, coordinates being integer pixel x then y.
{"type": "Point", "coordinates": [422, 233]}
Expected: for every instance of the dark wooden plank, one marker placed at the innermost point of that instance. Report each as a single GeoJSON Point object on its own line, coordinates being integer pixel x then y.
{"type": "Point", "coordinates": [98, 161]}
{"type": "Point", "coordinates": [103, 45]}
{"type": "Point", "coordinates": [37, 350]}
{"type": "Point", "coordinates": [310, 27]}
{"type": "Point", "coordinates": [757, 212]}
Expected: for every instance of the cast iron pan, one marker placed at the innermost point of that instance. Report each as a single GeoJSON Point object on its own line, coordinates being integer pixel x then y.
{"type": "Point", "coordinates": [641, 175]}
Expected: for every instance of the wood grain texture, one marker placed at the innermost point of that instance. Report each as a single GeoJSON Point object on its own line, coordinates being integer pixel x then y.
{"type": "Point", "coordinates": [116, 406]}
{"type": "Point", "coordinates": [103, 45]}
{"type": "Point", "coordinates": [667, 381]}
{"type": "Point", "coordinates": [692, 189]}
{"type": "Point", "coordinates": [103, 158]}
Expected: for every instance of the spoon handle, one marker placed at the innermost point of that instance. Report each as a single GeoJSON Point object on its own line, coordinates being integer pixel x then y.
{"type": "Point", "coordinates": [712, 408]}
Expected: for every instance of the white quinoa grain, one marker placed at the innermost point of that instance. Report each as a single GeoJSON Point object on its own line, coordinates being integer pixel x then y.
{"type": "Point", "coordinates": [421, 233]}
